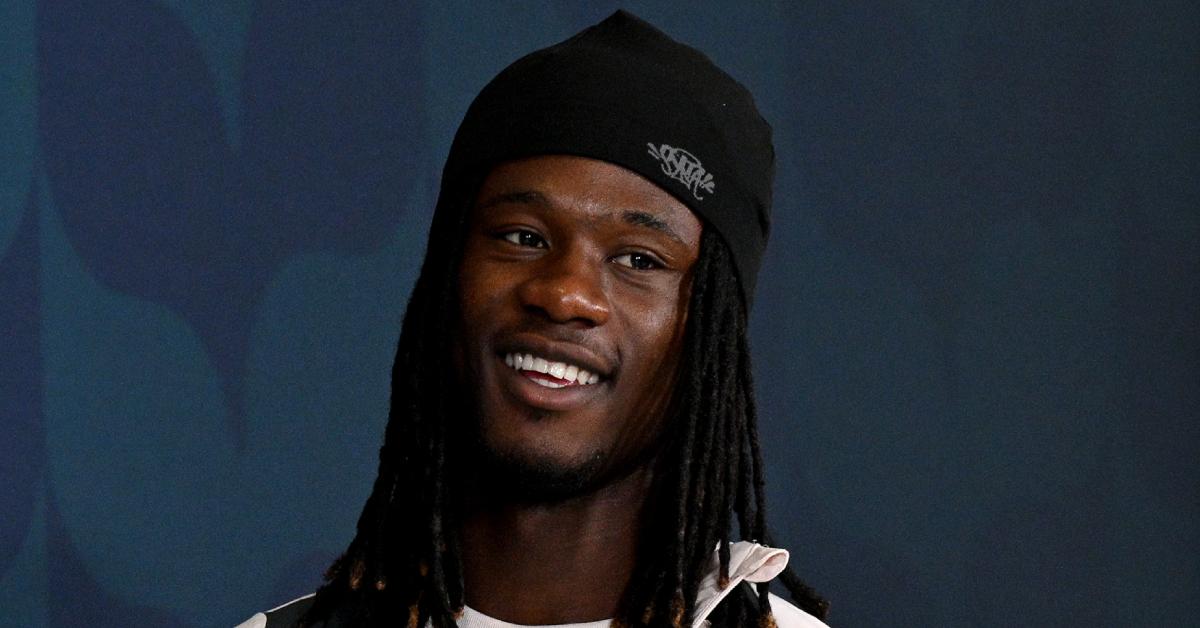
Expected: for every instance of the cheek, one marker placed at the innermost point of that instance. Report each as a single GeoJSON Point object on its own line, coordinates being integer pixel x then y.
{"type": "Point", "coordinates": [659, 333]}
{"type": "Point", "coordinates": [673, 334]}
{"type": "Point", "coordinates": [472, 313]}
{"type": "Point", "coordinates": [479, 287]}
{"type": "Point", "coordinates": [669, 324]}
{"type": "Point", "coordinates": [468, 284]}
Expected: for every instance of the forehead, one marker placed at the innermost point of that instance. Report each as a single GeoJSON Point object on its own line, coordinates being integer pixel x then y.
{"type": "Point", "coordinates": [588, 189]}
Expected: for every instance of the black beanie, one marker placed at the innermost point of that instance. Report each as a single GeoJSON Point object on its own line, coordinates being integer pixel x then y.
{"type": "Point", "coordinates": [624, 92]}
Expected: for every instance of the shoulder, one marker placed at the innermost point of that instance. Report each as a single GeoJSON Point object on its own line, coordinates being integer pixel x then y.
{"type": "Point", "coordinates": [284, 616]}
{"type": "Point", "coordinates": [787, 615]}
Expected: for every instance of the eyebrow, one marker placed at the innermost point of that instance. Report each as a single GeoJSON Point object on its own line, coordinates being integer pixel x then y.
{"type": "Point", "coordinates": [533, 197]}
{"type": "Point", "coordinates": [646, 220]}
{"type": "Point", "coordinates": [523, 197]}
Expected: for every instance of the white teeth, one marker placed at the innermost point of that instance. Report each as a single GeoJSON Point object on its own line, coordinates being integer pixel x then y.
{"type": "Point", "coordinates": [559, 370]}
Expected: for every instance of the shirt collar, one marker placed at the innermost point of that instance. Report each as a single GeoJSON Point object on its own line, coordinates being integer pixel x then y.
{"type": "Point", "coordinates": [748, 562]}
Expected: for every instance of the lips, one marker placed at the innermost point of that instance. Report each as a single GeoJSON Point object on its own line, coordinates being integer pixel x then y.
{"type": "Point", "coordinates": [549, 373]}
{"type": "Point", "coordinates": [569, 353]}
{"type": "Point", "coordinates": [552, 374]}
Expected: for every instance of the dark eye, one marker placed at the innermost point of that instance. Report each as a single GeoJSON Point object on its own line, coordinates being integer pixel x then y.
{"type": "Point", "coordinates": [637, 261]}
{"type": "Point", "coordinates": [521, 237]}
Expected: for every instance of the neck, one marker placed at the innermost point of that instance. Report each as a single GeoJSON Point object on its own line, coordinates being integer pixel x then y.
{"type": "Point", "coordinates": [558, 563]}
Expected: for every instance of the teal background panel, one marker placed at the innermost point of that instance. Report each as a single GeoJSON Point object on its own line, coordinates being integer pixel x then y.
{"type": "Point", "coordinates": [975, 337]}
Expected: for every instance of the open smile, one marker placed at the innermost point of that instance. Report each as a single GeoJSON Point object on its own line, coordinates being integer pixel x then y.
{"type": "Point", "coordinates": [549, 373]}
{"type": "Point", "coordinates": [549, 385]}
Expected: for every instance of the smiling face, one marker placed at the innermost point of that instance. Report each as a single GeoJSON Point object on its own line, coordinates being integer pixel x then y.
{"type": "Point", "coordinates": [573, 293]}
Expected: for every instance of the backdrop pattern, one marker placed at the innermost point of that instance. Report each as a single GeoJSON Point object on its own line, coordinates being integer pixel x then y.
{"type": "Point", "coordinates": [975, 335]}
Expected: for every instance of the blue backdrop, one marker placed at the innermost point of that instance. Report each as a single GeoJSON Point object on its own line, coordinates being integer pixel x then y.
{"type": "Point", "coordinates": [975, 336]}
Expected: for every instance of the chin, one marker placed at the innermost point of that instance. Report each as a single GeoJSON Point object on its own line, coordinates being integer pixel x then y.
{"type": "Point", "coordinates": [517, 472]}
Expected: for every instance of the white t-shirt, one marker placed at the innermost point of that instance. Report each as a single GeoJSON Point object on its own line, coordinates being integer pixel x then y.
{"type": "Point", "coordinates": [472, 618]}
{"type": "Point", "coordinates": [748, 562]}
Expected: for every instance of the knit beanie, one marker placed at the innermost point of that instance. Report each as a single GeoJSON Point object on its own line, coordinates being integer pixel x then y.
{"type": "Point", "coordinates": [624, 92]}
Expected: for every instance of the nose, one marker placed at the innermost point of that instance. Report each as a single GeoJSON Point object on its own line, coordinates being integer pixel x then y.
{"type": "Point", "coordinates": [567, 288]}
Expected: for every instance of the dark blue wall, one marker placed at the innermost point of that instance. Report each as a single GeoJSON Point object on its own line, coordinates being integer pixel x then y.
{"type": "Point", "coordinates": [976, 333]}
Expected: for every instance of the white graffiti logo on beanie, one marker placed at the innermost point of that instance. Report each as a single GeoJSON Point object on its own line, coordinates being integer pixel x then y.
{"type": "Point", "coordinates": [683, 167]}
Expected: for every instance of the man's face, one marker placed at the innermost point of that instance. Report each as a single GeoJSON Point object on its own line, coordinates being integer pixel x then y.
{"type": "Point", "coordinates": [573, 292]}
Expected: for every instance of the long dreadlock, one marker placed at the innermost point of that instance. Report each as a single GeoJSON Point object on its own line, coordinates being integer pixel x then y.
{"type": "Point", "coordinates": [404, 565]}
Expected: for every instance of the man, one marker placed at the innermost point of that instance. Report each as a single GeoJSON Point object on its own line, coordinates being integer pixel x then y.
{"type": "Point", "coordinates": [572, 428]}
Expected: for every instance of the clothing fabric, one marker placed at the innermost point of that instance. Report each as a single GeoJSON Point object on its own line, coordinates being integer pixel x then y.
{"type": "Point", "coordinates": [624, 92]}
{"type": "Point", "coordinates": [748, 563]}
